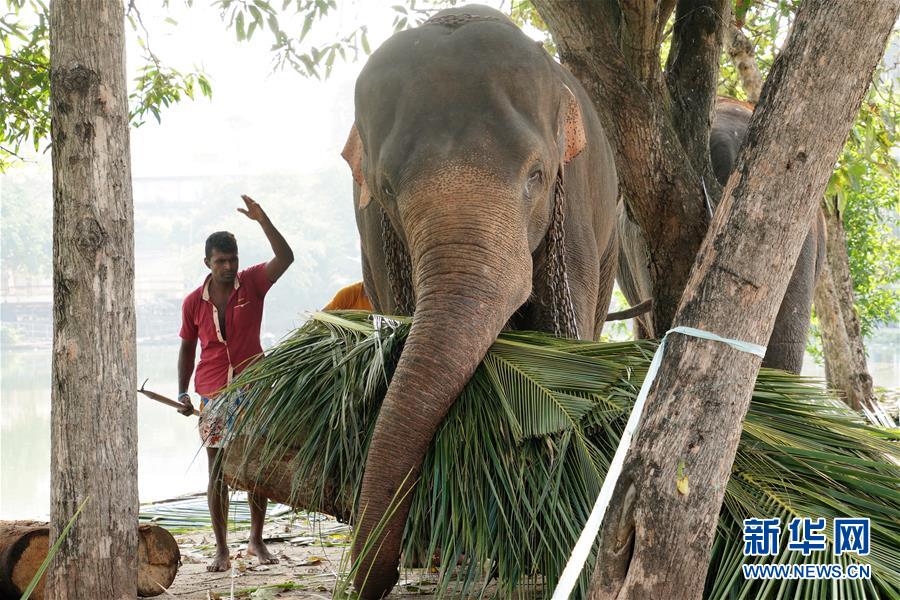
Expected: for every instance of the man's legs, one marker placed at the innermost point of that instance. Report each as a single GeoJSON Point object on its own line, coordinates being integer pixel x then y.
{"type": "Point", "coordinates": [217, 496]}
{"type": "Point", "coordinates": [255, 545]}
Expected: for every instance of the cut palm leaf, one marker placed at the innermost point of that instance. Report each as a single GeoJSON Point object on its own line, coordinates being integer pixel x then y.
{"type": "Point", "coordinates": [515, 467]}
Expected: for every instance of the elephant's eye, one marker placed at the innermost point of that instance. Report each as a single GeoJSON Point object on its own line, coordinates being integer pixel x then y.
{"type": "Point", "coordinates": [534, 181]}
{"type": "Point", "coordinates": [387, 191]}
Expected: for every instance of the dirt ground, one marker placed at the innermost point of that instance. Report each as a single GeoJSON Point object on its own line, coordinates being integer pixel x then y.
{"type": "Point", "coordinates": [309, 550]}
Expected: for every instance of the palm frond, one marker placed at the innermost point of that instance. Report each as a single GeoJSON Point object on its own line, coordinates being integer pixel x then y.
{"type": "Point", "coordinates": [515, 467]}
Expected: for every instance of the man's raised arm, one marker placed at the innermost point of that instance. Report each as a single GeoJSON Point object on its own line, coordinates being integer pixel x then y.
{"type": "Point", "coordinates": [284, 256]}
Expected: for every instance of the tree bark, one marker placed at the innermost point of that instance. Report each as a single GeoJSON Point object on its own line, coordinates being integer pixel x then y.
{"type": "Point", "coordinates": [742, 54]}
{"type": "Point", "coordinates": [24, 544]}
{"type": "Point", "coordinates": [659, 125]}
{"type": "Point", "coordinates": [656, 540]}
{"type": "Point", "coordinates": [842, 343]}
{"type": "Point", "coordinates": [94, 406]}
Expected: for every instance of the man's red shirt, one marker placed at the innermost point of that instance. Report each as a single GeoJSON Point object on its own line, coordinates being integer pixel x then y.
{"type": "Point", "coordinates": [221, 358]}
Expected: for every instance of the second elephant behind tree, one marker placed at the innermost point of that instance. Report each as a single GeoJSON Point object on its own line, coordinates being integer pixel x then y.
{"type": "Point", "coordinates": [787, 344]}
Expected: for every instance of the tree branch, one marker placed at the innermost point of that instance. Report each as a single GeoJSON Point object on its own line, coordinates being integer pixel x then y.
{"type": "Point", "coordinates": [665, 11]}
{"type": "Point", "coordinates": [662, 190]}
{"type": "Point", "coordinates": [640, 43]}
{"type": "Point", "coordinates": [743, 55]}
{"type": "Point", "coordinates": [692, 74]}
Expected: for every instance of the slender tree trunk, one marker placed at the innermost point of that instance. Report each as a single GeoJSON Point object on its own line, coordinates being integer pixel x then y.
{"type": "Point", "coordinates": [94, 405]}
{"type": "Point", "coordinates": [845, 355]}
{"type": "Point", "coordinates": [656, 539]}
{"type": "Point", "coordinates": [743, 56]}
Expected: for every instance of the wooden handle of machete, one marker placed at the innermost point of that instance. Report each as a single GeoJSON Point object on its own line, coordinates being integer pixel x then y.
{"type": "Point", "coordinates": [163, 399]}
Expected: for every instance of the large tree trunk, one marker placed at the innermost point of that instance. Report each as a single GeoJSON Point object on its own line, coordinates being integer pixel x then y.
{"type": "Point", "coordinates": [842, 342]}
{"type": "Point", "coordinates": [24, 544]}
{"type": "Point", "coordinates": [656, 540]}
{"type": "Point", "coordinates": [658, 123]}
{"type": "Point", "coordinates": [94, 406]}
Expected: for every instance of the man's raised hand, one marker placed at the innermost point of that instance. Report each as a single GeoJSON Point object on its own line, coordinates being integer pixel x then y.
{"type": "Point", "coordinates": [253, 211]}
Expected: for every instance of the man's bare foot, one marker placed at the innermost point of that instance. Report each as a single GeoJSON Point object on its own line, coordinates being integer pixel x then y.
{"type": "Point", "coordinates": [261, 553]}
{"type": "Point", "coordinates": [222, 562]}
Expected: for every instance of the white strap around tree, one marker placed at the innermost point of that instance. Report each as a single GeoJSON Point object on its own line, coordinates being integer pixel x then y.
{"type": "Point", "coordinates": [582, 548]}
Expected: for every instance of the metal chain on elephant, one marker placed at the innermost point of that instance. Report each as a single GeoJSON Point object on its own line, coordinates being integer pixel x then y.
{"type": "Point", "coordinates": [398, 266]}
{"type": "Point", "coordinates": [562, 308]}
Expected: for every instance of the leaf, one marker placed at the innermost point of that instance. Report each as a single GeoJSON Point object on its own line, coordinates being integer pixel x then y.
{"type": "Point", "coordinates": [740, 11]}
{"type": "Point", "coordinates": [307, 24]}
{"type": "Point", "coordinates": [365, 42]}
{"type": "Point", "coordinates": [239, 25]}
{"type": "Point", "coordinates": [510, 507]}
{"type": "Point", "coordinates": [264, 6]}
{"type": "Point", "coordinates": [681, 482]}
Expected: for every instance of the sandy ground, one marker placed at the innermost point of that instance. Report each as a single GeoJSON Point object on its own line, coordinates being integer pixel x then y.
{"type": "Point", "coordinates": [310, 551]}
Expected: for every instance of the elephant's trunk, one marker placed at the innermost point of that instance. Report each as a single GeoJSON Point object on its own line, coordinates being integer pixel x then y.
{"type": "Point", "coordinates": [466, 291]}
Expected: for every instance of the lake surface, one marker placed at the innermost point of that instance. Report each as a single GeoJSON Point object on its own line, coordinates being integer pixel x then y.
{"type": "Point", "coordinates": [171, 460]}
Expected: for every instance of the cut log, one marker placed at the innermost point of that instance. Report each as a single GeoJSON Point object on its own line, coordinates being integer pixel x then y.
{"type": "Point", "coordinates": [24, 544]}
{"type": "Point", "coordinates": [158, 560]}
{"type": "Point", "coordinates": [243, 471]}
{"type": "Point", "coordinates": [23, 547]}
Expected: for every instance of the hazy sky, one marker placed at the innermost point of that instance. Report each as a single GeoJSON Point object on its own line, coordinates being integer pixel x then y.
{"type": "Point", "coordinates": [258, 121]}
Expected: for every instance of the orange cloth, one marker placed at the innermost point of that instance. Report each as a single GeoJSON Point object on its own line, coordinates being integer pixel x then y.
{"type": "Point", "coordinates": [352, 297]}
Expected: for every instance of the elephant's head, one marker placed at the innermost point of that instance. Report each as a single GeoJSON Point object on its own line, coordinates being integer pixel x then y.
{"type": "Point", "coordinates": [462, 130]}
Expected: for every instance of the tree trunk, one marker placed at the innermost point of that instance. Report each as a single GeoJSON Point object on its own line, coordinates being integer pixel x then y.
{"type": "Point", "coordinates": [94, 406]}
{"type": "Point", "coordinates": [657, 123]}
{"type": "Point", "coordinates": [24, 544]}
{"type": "Point", "coordinates": [845, 355]}
{"type": "Point", "coordinates": [656, 539]}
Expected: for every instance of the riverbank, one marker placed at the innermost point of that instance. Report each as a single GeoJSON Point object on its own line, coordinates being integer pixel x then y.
{"type": "Point", "coordinates": [312, 551]}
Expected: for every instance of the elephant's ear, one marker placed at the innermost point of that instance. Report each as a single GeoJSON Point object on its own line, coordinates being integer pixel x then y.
{"type": "Point", "coordinates": [353, 154]}
{"type": "Point", "coordinates": [574, 126]}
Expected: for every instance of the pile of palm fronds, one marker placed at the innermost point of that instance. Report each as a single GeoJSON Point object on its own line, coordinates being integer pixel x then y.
{"type": "Point", "coordinates": [517, 464]}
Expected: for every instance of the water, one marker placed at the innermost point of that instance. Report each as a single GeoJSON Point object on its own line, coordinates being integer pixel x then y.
{"type": "Point", "coordinates": [171, 460]}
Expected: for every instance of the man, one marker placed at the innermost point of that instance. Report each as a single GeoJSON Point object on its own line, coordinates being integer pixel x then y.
{"type": "Point", "coordinates": [352, 297]}
{"type": "Point", "coordinates": [225, 314]}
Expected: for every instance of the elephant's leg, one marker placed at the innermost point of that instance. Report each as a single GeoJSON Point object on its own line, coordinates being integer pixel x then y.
{"type": "Point", "coordinates": [787, 344]}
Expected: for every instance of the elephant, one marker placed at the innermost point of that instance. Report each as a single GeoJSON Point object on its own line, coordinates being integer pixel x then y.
{"type": "Point", "coordinates": [788, 341]}
{"type": "Point", "coordinates": [485, 197]}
